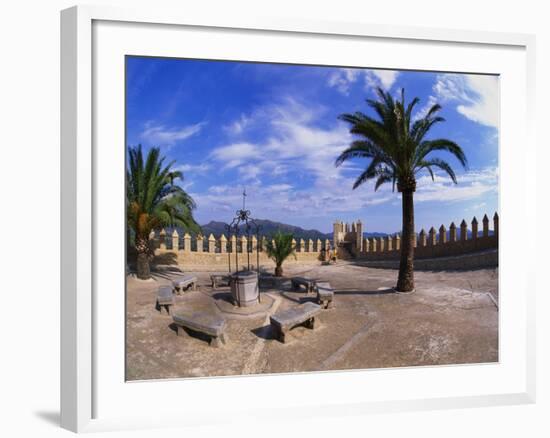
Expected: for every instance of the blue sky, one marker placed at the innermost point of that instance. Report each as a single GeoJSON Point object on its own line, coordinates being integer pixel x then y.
{"type": "Point", "coordinates": [274, 129]}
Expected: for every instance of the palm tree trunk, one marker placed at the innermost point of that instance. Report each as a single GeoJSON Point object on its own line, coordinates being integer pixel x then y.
{"type": "Point", "coordinates": [142, 266]}
{"type": "Point", "coordinates": [405, 282]}
{"type": "Point", "coordinates": [278, 271]}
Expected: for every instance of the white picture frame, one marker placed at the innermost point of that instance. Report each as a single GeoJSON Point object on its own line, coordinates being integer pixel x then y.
{"type": "Point", "coordinates": [83, 377]}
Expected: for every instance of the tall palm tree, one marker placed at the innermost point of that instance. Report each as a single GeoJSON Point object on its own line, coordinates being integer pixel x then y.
{"type": "Point", "coordinates": [153, 201]}
{"type": "Point", "coordinates": [279, 249]}
{"type": "Point", "coordinates": [398, 150]}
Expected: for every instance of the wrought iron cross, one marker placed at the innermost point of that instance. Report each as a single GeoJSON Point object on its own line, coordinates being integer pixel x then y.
{"type": "Point", "coordinates": [243, 220]}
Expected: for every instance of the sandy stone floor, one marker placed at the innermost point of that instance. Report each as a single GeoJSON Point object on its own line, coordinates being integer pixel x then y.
{"type": "Point", "coordinates": [452, 318]}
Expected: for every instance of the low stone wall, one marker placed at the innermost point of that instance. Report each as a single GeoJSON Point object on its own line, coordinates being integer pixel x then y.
{"type": "Point", "coordinates": [455, 241]}
{"type": "Point", "coordinates": [479, 260]}
{"type": "Point", "coordinates": [436, 249]}
{"type": "Point", "coordinates": [213, 254]}
{"type": "Point", "coordinates": [214, 262]}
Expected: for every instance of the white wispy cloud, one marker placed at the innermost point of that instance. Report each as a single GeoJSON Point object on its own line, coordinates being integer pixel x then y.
{"type": "Point", "coordinates": [219, 189]}
{"type": "Point", "coordinates": [471, 185]}
{"type": "Point", "coordinates": [249, 172]}
{"type": "Point", "coordinates": [239, 125]}
{"type": "Point", "coordinates": [477, 207]}
{"type": "Point", "coordinates": [383, 78]}
{"type": "Point", "coordinates": [278, 188]}
{"type": "Point", "coordinates": [194, 168]}
{"type": "Point", "coordinates": [162, 135]}
{"type": "Point", "coordinates": [298, 145]}
{"type": "Point", "coordinates": [342, 79]}
{"type": "Point", "coordinates": [432, 100]}
{"type": "Point", "coordinates": [233, 155]}
{"type": "Point", "coordinates": [484, 105]}
{"type": "Point", "coordinates": [476, 96]}
{"type": "Point", "coordinates": [292, 141]}
{"type": "Point", "coordinates": [333, 196]}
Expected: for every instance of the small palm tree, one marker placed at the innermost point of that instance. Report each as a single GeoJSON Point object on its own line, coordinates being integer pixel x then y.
{"type": "Point", "coordinates": [279, 249]}
{"type": "Point", "coordinates": [153, 201]}
{"type": "Point", "coordinates": [398, 150]}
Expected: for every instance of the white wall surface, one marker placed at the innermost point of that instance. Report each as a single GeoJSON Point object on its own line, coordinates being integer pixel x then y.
{"type": "Point", "coordinates": [29, 215]}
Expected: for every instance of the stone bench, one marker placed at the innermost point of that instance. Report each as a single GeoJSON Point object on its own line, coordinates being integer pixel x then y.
{"type": "Point", "coordinates": [267, 280]}
{"type": "Point", "coordinates": [219, 279]}
{"type": "Point", "coordinates": [203, 322]}
{"type": "Point", "coordinates": [165, 297]}
{"type": "Point", "coordinates": [325, 294]}
{"type": "Point", "coordinates": [297, 282]}
{"type": "Point", "coordinates": [287, 319]}
{"type": "Point", "coordinates": [185, 282]}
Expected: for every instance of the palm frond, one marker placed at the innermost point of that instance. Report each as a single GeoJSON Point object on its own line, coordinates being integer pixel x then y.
{"type": "Point", "coordinates": [441, 164]}
{"type": "Point", "coordinates": [382, 179]}
{"type": "Point", "coordinates": [280, 247]}
{"type": "Point", "coordinates": [151, 197]}
{"type": "Point", "coordinates": [394, 143]}
{"type": "Point", "coordinates": [441, 144]}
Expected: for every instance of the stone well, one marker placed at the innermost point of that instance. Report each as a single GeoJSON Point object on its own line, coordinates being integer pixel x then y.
{"type": "Point", "coordinates": [244, 288]}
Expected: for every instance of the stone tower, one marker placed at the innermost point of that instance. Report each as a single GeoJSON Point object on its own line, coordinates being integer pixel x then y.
{"type": "Point", "coordinates": [359, 236]}
{"type": "Point", "coordinates": [351, 233]}
{"type": "Point", "coordinates": [338, 233]}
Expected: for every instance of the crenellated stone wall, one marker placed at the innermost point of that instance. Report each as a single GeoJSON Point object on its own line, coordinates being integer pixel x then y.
{"type": "Point", "coordinates": [474, 260]}
{"type": "Point", "coordinates": [434, 243]}
{"type": "Point", "coordinates": [221, 253]}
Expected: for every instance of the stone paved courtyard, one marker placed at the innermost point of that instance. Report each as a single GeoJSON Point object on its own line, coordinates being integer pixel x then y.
{"type": "Point", "coordinates": [452, 318]}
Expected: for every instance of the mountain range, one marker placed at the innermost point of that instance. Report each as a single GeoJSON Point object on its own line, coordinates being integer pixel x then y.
{"type": "Point", "coordinates": [268, 228]}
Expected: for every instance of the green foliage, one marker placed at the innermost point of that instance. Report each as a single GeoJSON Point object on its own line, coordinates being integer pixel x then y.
{"type": "Point", "coordinates": [398, 150]}
{"type": "Point", "coordinates": [280, 247]}
{"type": "Point", "coordinates": [396, 144]}
{"type": "Point", "coordinates": [152, 199]}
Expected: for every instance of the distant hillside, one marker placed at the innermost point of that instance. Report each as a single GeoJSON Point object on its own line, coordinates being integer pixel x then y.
{"type": "Point", "coordinates": [370, 235]}
{"type": "Point", "coordinates": [214, 227]}
{"type": "Point", "coordinates": [267, 228]}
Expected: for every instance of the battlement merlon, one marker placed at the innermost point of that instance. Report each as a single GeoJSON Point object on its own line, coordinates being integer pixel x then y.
{"type": "Point", "coordinates": [350, 233]}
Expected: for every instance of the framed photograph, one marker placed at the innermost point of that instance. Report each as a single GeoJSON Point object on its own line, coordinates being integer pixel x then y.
{"type": "Point", "coordinates": [288, 216]}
